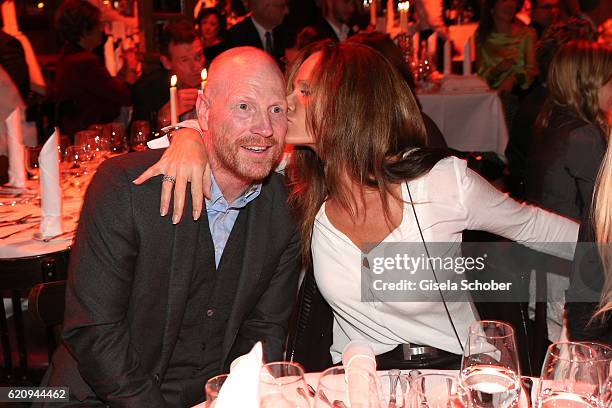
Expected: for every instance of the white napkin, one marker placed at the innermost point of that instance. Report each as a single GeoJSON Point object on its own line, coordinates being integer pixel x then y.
{"type": "Point", "coordinates": [359, 364]}
{"type": "Point", "coordinates": [467, 57]}
{"type": "Point", "coordinates": [241, 389]}
{"type": "Point", "coordinates": [16, 150]}
{"type": "Point", "coordinates": [463, 84]}
{"type": "Point", "coordinates": [50, 190]}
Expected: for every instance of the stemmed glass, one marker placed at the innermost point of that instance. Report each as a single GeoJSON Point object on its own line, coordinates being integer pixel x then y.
{"type": "Point", "coordinates": [32, 165]}
{"type": "Point", "coordinates": [348, 388]}
{"type": "Point", "coordinates": [140, 135]}
{"type": "Point", "coordinates": [437, 390]}
{"type": "Point", "coordinates": [212, 388]}
{"type": "Point", "coordinates": [282, 384]}
{"type": "Point", "coordinates": [573, 375]}
{"type": "Point", "coordinates": [490, 369]}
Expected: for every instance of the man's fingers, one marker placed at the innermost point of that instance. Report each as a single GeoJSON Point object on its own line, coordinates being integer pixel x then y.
{"type": "Point", "coordinates": [179, 197]}
{"type": "Point", "coordinates": [198, 197]}
{"type": "Point", "coordinates": [207, 182]}
{"type": "Point", "coordinates": [152, 171]}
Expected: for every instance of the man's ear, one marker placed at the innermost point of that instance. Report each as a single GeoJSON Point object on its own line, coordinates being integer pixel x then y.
{"type": "Point", "coordinates": [203, 110]}
{"type": "Point", "coordinates": [166, 62]}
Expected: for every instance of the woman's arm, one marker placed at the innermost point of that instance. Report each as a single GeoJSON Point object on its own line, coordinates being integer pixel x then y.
{"type": "Point", "coordinates": [186, 161]}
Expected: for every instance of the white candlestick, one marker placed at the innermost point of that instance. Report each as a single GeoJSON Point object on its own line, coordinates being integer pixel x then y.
{"type": "Point", "coordinates": [173, 101]}
{"type": "Point", "coordinates": [373, 13]}
{"type": "Point", "coordinates": [403, 10]}
{"type": "Point", "coordinates": [390, 15]}
{"type": "Point", "coordinates": [204, 76]}
{"type": "Point", "coordinates": [447, 57]}
{"type": "Point", "coordinates": [467, 58]}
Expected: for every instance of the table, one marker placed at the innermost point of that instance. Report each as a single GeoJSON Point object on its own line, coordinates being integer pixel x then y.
{"type": "Point", "coordinates": [470, 122]}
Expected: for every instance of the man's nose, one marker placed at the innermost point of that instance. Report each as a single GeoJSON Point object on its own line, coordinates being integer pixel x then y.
{"type": "Point", "coordinates": [263, 125]}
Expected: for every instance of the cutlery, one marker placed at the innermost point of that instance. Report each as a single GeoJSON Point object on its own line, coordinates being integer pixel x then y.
{"type": "Point", "coordinates": [528, 385]}
{"type": "Point", "coordinates": [21, 220]}
{"type": "Point", "coordinates": [394, 377]}
{"type": "Point", "coordinates": [58, 236]}
{"type": "Point", "coordinates": [18, 231]}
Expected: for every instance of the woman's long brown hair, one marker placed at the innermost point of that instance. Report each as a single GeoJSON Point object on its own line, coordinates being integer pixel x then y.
{"type": "Point", "coordinates": [358, 109]}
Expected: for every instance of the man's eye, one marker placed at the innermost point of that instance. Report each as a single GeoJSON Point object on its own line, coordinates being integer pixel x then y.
{"type": "Point", "coordinates": [243, 106]}
{"type": "Point", "coordinates": [277, 109]}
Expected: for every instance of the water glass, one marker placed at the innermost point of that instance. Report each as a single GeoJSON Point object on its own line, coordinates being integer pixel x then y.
{"type": "Point", "coordinates": [397, 385]}
{"type": "Point", "coordinates": [490, 367]}
{"type": "Point", "coordinates": [85, 138]}
{"type": "Point", "coordinates": [572, 376]}
{"type": "Point", "coordinates": [213, 386]}
{"type": "Point", "coordinates": [32, 165]}
{"type": "Point", "coordinates": [140, 135]}
{"type": "Point", "coordinates": [282, 384]}
{"type": "Point", "coordinates": [349, 388]}
{"type": "Point", "coordinates": [437, 390]}
{"type": "Point", "coordinates": [76, 157]}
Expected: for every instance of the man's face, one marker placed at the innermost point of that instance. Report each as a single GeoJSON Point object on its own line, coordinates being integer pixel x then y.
{"type": "Point", "coordinates": [269, 13]}
{"type": "Point", "coordinates": [342, 10]}
{"type": "Point", "coordinates": [247, 123]}
{"type": "Point", "coordinates": [545, 12]}
{"type": "Point", "coordinates": [187, 62]}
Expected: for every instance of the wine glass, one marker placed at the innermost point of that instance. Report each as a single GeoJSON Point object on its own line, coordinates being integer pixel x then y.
{"type": "Point", "coordinates": [282, 384]}
{"type": "Point", "coordinates": [437, 390]}
{"type": "Point", "coordinates": [213, 387]}
{"type": "Point", "coordinates": [396, 383]}
{"type": "Point", "coordinates": [349, 388]}
{"type": "Point", "coordinates": [115, 132]}
{"type": "Point", "coordinates": [32, 165]}
{"type": "Point", "coordinates": [140, 135]}
{"type": "Point", "coordinates": [572, 376]}
{"type": "Point", "coordinates": [76, 157]}
{"type": "Point", "coordinates": [490, 369]}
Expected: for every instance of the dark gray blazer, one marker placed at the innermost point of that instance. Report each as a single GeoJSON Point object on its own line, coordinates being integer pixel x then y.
{"type": "Point", "coordinates": [129, 279]}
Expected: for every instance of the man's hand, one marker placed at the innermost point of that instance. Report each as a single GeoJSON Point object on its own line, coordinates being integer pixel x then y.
{"type": "Point", "coordinates": [186, 161]}
{"type": "Point", "coordinates": [187, 98]}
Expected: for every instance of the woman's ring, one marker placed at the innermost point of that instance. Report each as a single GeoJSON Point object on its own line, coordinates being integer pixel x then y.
{"type": "Point", "coordinates": [169, 178]}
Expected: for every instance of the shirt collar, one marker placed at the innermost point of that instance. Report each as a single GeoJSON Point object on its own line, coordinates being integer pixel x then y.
{"type": "Point", "coordinates": [260, 31]}
{"type": "Point", "coordinates": [341, 32]}
{"type": "Point", "coordinates": [219, 202]}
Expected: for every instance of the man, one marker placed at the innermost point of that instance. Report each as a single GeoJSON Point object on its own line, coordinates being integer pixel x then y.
{"type": "Point", "coordinates": [262, 29]}
{"type": "Point", "coordinates": [543, 14]}
{"type": "Point", "coordinates": [181, 53]}
{"type": "Point", "coordinates": [12, 59]}
{"type": "Point", "coordinates": [337, 18]}
{"type": "Point", "coordinates": [154, 309]}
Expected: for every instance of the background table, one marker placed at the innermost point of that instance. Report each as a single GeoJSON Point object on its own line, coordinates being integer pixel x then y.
{"type": "Point", "coordinates": [470, 122]}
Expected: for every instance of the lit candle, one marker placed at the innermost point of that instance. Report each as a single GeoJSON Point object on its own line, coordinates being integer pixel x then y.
{"type": "Point", "coordinates": [204, 76]}
{"type": "Point", "coordinates": [447, 57]}
{"type": "Point", "coordinates": [173, 101]}
{"type": "Point", "coordinates": [373, 13]}
{"type": "Point", "coordinates": [403, 10]}
{"type": "Point", "coordinates": [467, 58]}
{"type": "Point", "coordinates": [390, 15]}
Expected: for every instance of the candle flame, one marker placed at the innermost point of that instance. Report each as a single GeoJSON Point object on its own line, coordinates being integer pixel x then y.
{"type": "Point", "coordinates": [204, 74]}
{"type": "Point", "coordinates": [404, 6]}
{"type": "Point", "coordinates": [173, 80]}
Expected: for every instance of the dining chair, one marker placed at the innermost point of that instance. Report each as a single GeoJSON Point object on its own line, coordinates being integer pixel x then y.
{"type": "Point", "coordinates": [46, 305]}
{"type": "Point", "coordinates": [17, 277]}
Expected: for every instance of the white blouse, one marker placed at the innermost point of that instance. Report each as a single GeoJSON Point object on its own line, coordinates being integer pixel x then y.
{"type": "Point", "coordinates": [448, 199]}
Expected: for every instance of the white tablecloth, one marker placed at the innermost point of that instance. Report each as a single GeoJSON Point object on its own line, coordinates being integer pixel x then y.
{"type": "Point", "coordinates": [470, 122]}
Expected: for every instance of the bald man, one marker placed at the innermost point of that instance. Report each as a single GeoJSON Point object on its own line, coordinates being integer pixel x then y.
{"type": "Point", "coordinates": [154, 309]}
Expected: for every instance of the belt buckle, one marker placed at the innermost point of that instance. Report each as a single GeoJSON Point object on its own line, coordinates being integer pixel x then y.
{"type": "Point", "coordinates": [413, 352]}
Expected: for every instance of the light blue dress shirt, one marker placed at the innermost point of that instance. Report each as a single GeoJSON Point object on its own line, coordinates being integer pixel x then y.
{"type": "Point", "coordinates": [222, 215]}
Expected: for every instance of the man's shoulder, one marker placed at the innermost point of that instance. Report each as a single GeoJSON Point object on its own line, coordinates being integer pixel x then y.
{"type": "Point", "coordinates": [241, 32]}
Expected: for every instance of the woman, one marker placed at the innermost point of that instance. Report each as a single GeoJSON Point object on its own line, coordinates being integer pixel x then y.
{"type": "Point", "coordinates": [212, 25]}
{"type": "Point", "coordinates": [84, 90]}
{"type": "Point", "coordinates": [353, 191]}
{"type": "Point", "coordinates": [505, 49]}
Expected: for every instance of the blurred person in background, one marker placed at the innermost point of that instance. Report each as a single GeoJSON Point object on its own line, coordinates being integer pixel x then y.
{"type": "Point", "coordinates": [505, 52]}
{"type": "Point", "coordinates": [336, 19]}
{"type": "Point", "coordinates": [181, 54]}
{"type": "Point", "coordinates": [212, 27]}
{"type": "Point", "coordinates": [262, 29]}
{"type": "Point", "coordinates": [85, 92]}
{"type": "Point", "coordinates": [543, 14]}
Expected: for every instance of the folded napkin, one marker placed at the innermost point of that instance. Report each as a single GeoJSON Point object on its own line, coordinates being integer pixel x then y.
{"type": "Point", "coordinates": [360, 370]}
{"type": "Point", "coordinates": [16, 151]}
{"type": "Point", "coordinates": [459, 84]}
{"type": "Point", "coordinates": [467, 57]}
{"type": "Point", "coordinates": [241, 389]}
{"type": "Point", "coordinates": [50, 190]}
